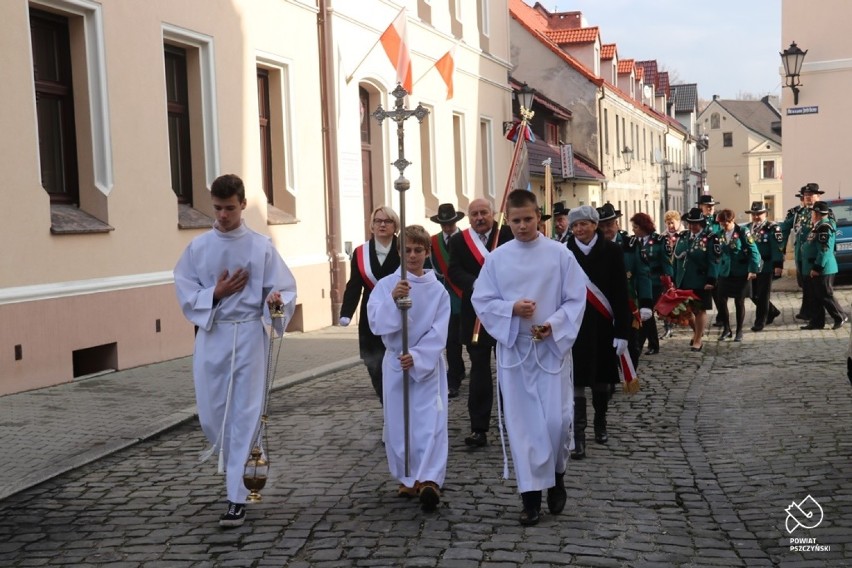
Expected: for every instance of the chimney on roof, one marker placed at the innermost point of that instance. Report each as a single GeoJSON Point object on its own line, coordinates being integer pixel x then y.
{"type": "Point", "coordinates": [715, 97]}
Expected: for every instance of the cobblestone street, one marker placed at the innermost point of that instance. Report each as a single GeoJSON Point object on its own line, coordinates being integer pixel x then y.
{"type": "Point", "coordinates": [700, 468]}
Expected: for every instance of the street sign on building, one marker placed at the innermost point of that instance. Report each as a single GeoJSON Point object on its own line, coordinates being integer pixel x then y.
{"type": "Point", "coordinates": [566, 152]}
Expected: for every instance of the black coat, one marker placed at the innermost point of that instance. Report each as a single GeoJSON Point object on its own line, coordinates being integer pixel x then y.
{"type": "Point", "coordinates": [357, 290]}
{"type": "Point", "coordinates": [594, 356]}
{"type": "Point", "coordinates": [463, 270]}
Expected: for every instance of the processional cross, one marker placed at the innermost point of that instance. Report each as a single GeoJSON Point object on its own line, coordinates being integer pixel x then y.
{"type": "Point", "coordinates": [401, 184]}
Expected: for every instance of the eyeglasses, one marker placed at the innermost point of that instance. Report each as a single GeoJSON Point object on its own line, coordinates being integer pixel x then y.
{"type": "Point", "coordinates": [382, 222]}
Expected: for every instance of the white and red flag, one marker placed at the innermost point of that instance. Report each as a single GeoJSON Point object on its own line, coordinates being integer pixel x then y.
{"type": "Point", "coordinates": [446, 66]}
{"type": "Point", "coordinates": [394, 42]}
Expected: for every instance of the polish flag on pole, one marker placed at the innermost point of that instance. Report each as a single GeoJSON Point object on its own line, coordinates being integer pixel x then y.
{"type": "Point", "coordinates": [446, 66]}
{"type": "Point", "coordinates": [394, 43]}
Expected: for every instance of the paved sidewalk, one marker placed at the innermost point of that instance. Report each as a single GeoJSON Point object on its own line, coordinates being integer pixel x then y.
{"type": "Point", "coordinates": [47, 432]}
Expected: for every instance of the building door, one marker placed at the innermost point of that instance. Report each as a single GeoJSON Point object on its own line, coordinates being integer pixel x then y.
{"type": "Point", "coordinates": [366, 159]}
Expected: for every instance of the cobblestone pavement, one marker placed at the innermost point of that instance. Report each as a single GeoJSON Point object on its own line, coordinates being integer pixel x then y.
{"type": "Point", "coordinates": [701, 467]}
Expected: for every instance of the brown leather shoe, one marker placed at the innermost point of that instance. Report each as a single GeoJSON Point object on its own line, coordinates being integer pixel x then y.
{"type": "Point", "coordinates": [430, 496]}
{"type": "Point", "coordinates": [408, 492]}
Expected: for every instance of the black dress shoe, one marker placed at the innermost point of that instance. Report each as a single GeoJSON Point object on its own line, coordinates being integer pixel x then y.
{"type": "Point", "coordinates": [726, 334]}
{"type": "Point", "coordinates": [452, 393]}
{"type": "Point", "coordinates": [771, 317]}
{"type": "Point", "coordinates": [652, 351]}
{"type": "Point", "coordinates": [579, 451]}
{"type": "Point", "coordinates": [839, 323]}
{"type": "Point", "coordinates": [812, 326]}
{"type": "Point", "coordinates": [476, 439]}
{"type": "Point", "coordinates": [601, 437]}
{"type": "Point", "coordinates": [738, 337]}
{"type": "Point", "coordinates": [529, 517]}
{"type": "Point", "coordinates": [757, 327]}
{"type": "Point", "coordinates": [557, 496]}
{"type": "Point", "coordinates": [697, 349]}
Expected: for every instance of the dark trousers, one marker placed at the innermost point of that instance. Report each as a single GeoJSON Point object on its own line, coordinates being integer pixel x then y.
{"type": "Point", "coordinates": [372, 351]}
{"type": "Point", "coordinates": [649, 326]}
{"type": "Point", "coordinates": [455, 362]}
{"type": "Point", "coordinates": [761, 290]}
{"type": "Point", "coordinates": [822, 299]}
{"type": "Point", "coordinates": [802, 281]}
{"type": "Point", "coordinates": [718, 300]}
{"type": "Point", "coordinates": [480, 396]}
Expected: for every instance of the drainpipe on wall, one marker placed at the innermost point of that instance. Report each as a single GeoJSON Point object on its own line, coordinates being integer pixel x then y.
{"type": "Point", "coordinates": [601, 135]}
{"type": "Point", "coordinates": [337, 268]}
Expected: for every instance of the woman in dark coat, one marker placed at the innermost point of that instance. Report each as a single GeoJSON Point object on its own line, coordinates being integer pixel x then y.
{"type": "Point", "coordinates": [601, 340]}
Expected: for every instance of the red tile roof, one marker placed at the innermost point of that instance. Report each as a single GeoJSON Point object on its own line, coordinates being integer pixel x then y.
{"type": "Point", "coordinates": [608, 51]}
{"type": "Point", "coordinates": [579, 35]}
{"type": "Point", "coordinates": [626, 66]}
{"type": "Point", "coordinates": [663, 83]}
{"type": "Point", "coordinates": [535, 23]}
{"type": "Point", "coordinates": [650, 71]}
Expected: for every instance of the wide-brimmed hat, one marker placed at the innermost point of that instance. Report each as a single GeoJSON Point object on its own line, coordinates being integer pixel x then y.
{"type": "Point", "coordinates": [544, 216]}
{"type": "Point", "coordinates": [812, 188]}
{"type": "Point", "coordinates": [820, 207]}
{"type": "Point", "coordinates": [583, 213]}
{"type": "Point", "coordinates": [560, 209]}
{"type": "Point", "coordinates": [706, 200]}
{"type": "Point", "coordinates": [447, 214]}
{"type": "Point", "coordinates": [757, 207]}
{"type": "Point", "coordinates": [695, 216]}
{"type": "Point", "coordinates": [608, 212]}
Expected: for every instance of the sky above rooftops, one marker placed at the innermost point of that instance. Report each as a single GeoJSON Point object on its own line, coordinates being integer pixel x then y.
{"type": "Point", "coordinates": [728, 47]}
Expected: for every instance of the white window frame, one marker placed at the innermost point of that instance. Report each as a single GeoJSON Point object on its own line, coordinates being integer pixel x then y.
{"type": "Point", "coordinates": [210, 124]}
{"type": "Point", "coordinates": [92, 14]}
{"type": "Point", "coordinates": [488, 155]}
{"type": "Point", "coordinates": [288, 125]}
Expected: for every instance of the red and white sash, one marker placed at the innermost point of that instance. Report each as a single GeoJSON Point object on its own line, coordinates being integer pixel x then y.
{"type": "Point", "coordinates": [625, 364]}
{"type": "Point", "coordinates": [476, 246]}
{"type": "Point", "coordinates": [362, 258]}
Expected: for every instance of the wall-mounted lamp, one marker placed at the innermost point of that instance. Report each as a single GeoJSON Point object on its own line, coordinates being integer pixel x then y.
{"type": "Point", "coordinates": [737, 179]}
{"type": "Point", "coordinates": [792, 58]}
{"type": "Point", "coordinates": [627, 156]}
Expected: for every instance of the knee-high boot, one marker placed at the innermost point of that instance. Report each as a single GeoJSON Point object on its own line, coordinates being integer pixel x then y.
{"type": "Point", "coordinates": [579, 451]}
{"type": "Point", "coordinates": [600, 401]}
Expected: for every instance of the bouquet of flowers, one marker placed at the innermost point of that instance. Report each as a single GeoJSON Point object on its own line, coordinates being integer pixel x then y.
{"type": "Point", "coordinates": [676, 306]}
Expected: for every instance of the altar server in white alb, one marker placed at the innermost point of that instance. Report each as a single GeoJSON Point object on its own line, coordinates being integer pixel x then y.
{"type": "Point", "coordinates": [531, 295]}
{"type": "Point", "coordinates": [226, 281]}
{"type": "Point", "coordinates": [428, 318]}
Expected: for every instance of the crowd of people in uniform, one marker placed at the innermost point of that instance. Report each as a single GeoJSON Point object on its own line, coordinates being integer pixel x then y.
{"type": "Point", "coordinates": [556, 335]}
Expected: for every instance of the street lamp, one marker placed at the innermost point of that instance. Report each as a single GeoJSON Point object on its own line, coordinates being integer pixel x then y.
{"type": "Point", "coordinates": [792, 58]}
{"type": "Point", "coordinates": [664, 205]}
{"type": "Point", "coordinates": [526, 94]}
{"type": "Point", "coordinates": [737, 179]}
{"type": "Point", "coordinates": [627, 156]}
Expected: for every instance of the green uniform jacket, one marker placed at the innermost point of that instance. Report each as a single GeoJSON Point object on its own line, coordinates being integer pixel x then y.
{"type": "Point", "coordinates": [818, 250]}
{"type": "Point", "coordinates": [638, 271]}
{"type": "Point", "coordinates": [655, 254]}
{"type": "Point", "coordinates": [713, 225]}
{"type": "Point", "coordinates": [769, 239]}
{"type": "Point", "coordinates": [739, 255]}
{"type": "Point", "coordinates": [696, 260]}
{"type": "Point", "coordinates": [801, 228]}
{"type": "Point", "coordinates": [787, 225]}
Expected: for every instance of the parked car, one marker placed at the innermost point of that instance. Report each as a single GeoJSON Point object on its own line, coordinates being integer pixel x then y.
{"type": "Point", "coordinates": [842, 209]}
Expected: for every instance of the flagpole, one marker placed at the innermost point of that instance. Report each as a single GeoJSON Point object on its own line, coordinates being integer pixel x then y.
{"type": "Point", "coordinates": [526, 116]}
{"type": "Point", "coordinates": [400, 115]}
{"type": "Point", "coordinates": [369, 51]}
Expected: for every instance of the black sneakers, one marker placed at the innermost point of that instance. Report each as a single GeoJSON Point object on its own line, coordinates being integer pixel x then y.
{"type": "Point", "coordinates": [235, 516]}
{"type": "Point", "coordinates": [476, 440]}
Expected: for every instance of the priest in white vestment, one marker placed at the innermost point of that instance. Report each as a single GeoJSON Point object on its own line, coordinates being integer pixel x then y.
{"type": "Point", "coordinates": [428, 318]}
{"type": "Point", "coordinates": [226, 281]}
{"type": "Point", "coordinates": [531, 296]}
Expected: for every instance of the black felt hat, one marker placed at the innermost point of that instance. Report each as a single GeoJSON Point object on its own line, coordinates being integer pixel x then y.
{"type": "Point", "coordinates": [608, 212]}
{"type": "Point", "coordinates": [706, 200]}
{"type": "Point", "coordinates": [812, 188]}
{"type": "Point", "coordinates": [447, 214]}
{"type": "Point", "coordinates": [695, 216]}
{"type": "Point", "coordinates": [757, 207]}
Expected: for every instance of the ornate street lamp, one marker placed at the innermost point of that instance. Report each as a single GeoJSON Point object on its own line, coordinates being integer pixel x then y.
{"type": "Point", "coordinates": [627, 156]}
{"type": "Point", "coordinates": [792, 58]}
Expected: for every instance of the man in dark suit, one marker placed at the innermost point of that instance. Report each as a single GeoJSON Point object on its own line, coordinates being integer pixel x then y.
{"type": "Point", "coordinates": [371, 261]}
{"type": "Point", "coordinates": [561, 231]}
{"type": "Point", "coordinates": [468, 250]}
